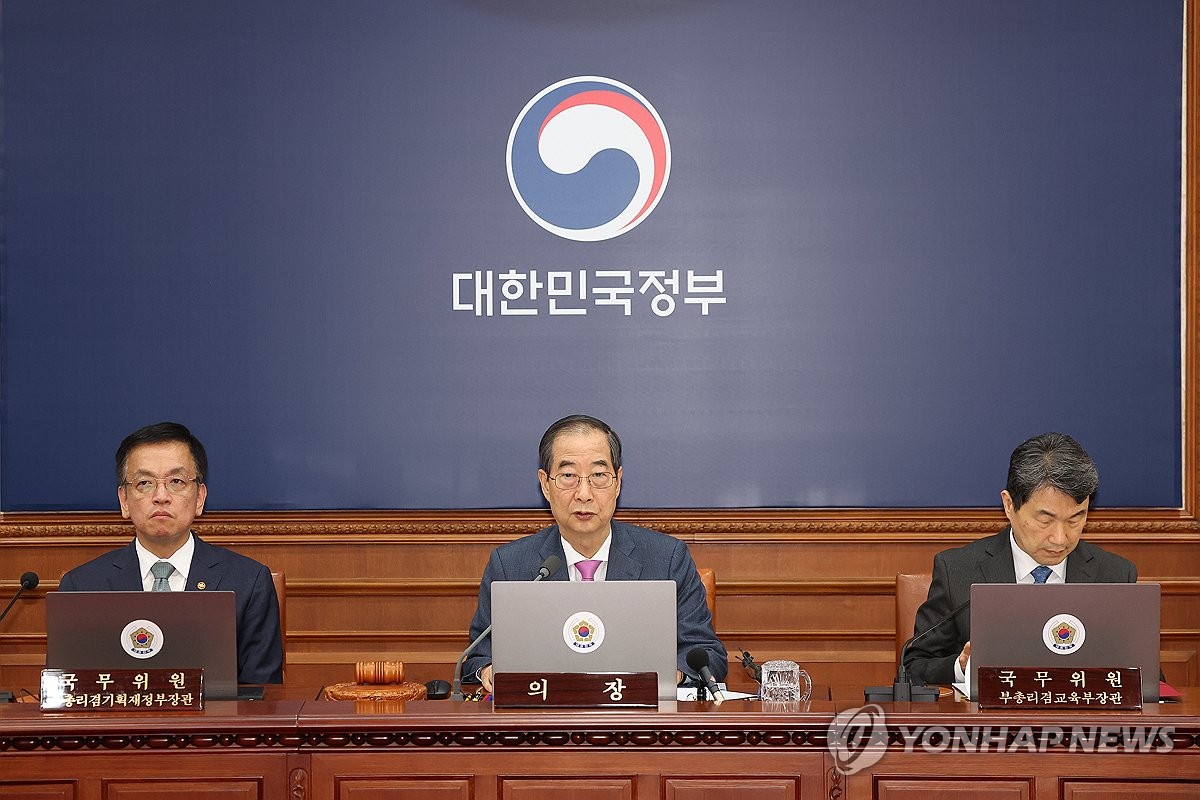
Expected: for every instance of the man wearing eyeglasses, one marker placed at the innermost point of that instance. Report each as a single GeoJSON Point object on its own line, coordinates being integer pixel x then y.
{"type": "Point", "coordinates": [160, 485]}
{"type": "Point", "coordinates": [580, 475]}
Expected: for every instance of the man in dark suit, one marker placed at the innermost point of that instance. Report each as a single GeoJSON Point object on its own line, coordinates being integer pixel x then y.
{"type": "Point", "coordinates": [580, 476]}
{"type": "Point", "coordinates": [1051, 480]}
{"type": "Point", "coordinates": [160, 485]}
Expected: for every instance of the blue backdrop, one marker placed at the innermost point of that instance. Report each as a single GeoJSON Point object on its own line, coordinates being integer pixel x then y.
{"type": "Point", "coordinates": [939, 226]}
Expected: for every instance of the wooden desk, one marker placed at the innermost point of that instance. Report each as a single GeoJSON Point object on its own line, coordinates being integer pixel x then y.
{"type": "Point", "coordinates": [229, 750]}
{"type": "Point", "coordinates": [430, 750]}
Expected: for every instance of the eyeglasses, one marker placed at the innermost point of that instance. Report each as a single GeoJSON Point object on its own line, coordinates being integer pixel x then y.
{"type": "Point", "coordinates": [176, 484]}
{"type": "Point", "coordinates": [598, 480]}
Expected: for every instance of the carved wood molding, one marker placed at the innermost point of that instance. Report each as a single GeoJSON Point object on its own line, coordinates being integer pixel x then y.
{"type": "Point", "coordinates": [239, 739]}
{"type": "Point", "coordinates": [801, 734]}
{"type": "Point", "coordinates": [808, 732]}
{"type": "Point", "coordinates": [487, 527]}
{"type": "Point", "coordinates": [299, 784]}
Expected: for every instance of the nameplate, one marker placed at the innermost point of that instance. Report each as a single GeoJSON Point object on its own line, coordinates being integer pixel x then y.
{"type": "Point", "coordinates": [575, 690]}
{"type": "Point", "coordinates": [1060, 687]}
{"type": "Point", "coordinates": [122, 690]}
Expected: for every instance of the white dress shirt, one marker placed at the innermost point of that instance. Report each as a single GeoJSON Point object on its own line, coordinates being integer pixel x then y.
{"type": "Point", "coordinates": [1023, 567]}
{"type": "Point", "coordinates": [181, 560]}
{"type": "Point", "coordinates": [573, 558]}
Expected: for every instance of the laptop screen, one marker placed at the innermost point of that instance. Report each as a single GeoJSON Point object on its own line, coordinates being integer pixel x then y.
{"type": "Point", "coordinates": [1111, 624]}
{"type": "Point", "coordinates": [146, 630]}
{"type": "Point", "coordinates": [601, 626]}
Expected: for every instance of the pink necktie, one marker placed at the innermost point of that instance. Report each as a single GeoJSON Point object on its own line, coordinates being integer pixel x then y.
{"type": "Point", "coordinates": [587, 569]}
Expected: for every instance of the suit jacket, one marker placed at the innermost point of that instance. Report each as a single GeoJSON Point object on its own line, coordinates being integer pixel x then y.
{"type": "Point", "coordinates": [987, 560]}
{"type": "Point", "coordinates": [259, 642]}
{"type": "Point", "coordinates": [635, 554]}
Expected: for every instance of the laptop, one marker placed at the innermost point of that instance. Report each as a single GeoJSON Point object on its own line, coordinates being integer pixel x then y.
{"type": "Point", "coordinates": [602, 626]}
{"type": "Point", "coordinates": [1119, 624]}
{"type": "Point", "coordinates": [103, 630]}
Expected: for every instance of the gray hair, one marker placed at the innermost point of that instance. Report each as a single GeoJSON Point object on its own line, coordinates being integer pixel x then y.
{"type": "Point", "coordinates": [577, 423]}
{"type": "Point", "coordinates": [1054, 460]}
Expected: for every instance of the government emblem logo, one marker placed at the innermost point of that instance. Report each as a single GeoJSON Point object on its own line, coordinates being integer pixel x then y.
{"type": "Point", "coordinates": [142, 639]}
{"type": "Point", "coordinates": [588, 158]}
{"type": "Point", "coordinates": [1063, 634]}
{"type": "Point", "coordinates": [583, 632]}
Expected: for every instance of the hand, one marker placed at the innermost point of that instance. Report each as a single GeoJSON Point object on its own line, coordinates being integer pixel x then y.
{"type": "Point", "coordinates": [963, 656]}
{"type": "Point", "coordinates": [485, 677]}
{"type": "Point", "coordinates": [678, 677]}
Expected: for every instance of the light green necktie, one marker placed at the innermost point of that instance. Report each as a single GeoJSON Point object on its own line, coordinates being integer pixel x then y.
{"type": "Point", "coordinates": [161, 571]}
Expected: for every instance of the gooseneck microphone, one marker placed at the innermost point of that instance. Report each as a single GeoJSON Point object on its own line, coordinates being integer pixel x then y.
{"type": "Point", "coordinates": [697, 659]}
{"type": "Point", "coordinates": [752, 669]}
{"type": "Point", "coordinates": [903, 689]}
{"type": "Point", "coordinates": [550, 566]}
{"type": "Point", "coordinates": [28, 581]}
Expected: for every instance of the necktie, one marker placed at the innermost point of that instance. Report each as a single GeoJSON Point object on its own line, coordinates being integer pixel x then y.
{"type": "Point", "coordinates": [1040, 574]}
{"type": "Point", "coordinates": [161, 571]}
{"type": "Point", "coordinates": [587, 569]}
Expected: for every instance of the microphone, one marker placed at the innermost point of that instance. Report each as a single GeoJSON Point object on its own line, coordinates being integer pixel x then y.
{"type": "Point", "coordinates": [550, 566]}
{"type": "Point", "coordinates": [903, 690]}
{"type": "Point", "coordinates": [752, 669]}
{"type": "Point", "coordinates": [697, 659]}
{"type": "Point", "coordinates": [28, 581]}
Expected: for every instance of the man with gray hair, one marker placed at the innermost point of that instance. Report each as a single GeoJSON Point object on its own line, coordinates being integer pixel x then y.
{"type": "Point", "coordinates": [580, 477]}
{"type": "Point", "coordinates": [1051, 480]}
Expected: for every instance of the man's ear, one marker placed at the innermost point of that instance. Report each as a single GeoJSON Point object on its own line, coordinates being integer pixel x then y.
{"type": "Point", "coordinates": [123, 499]}
{"type": "Point", "coordinates": [1009, 508]}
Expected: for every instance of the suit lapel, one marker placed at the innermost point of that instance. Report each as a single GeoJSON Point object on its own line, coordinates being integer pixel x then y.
{"type": "Point", "coordinates": [552, 546]}
{"type": "Point", "coordinates": [126, 575]}
{"type": "Point", "coordinates": [208, 567]}
{"type": "Point", "coordinates": [1082, 565]}
{"type": "Point", "coordinates": [997, 565]}
{"type": "Point", "coordinates": [623, 563]}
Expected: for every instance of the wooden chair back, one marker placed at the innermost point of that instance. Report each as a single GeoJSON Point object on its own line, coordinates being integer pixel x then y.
{"type": "Point", "coordinates": [911, 592]}
{"type": "Point", "coordinates": [280, 582]}
{"type": "Point", "coordinates": [709, 579]}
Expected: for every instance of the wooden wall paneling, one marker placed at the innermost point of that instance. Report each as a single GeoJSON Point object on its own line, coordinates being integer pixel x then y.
{"type": "Point", "coordinates": [937, 789]}
{"type": "Point", "coordinates": [814, 587]}
{"type": "Point", "coordinates": [248, 775]}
